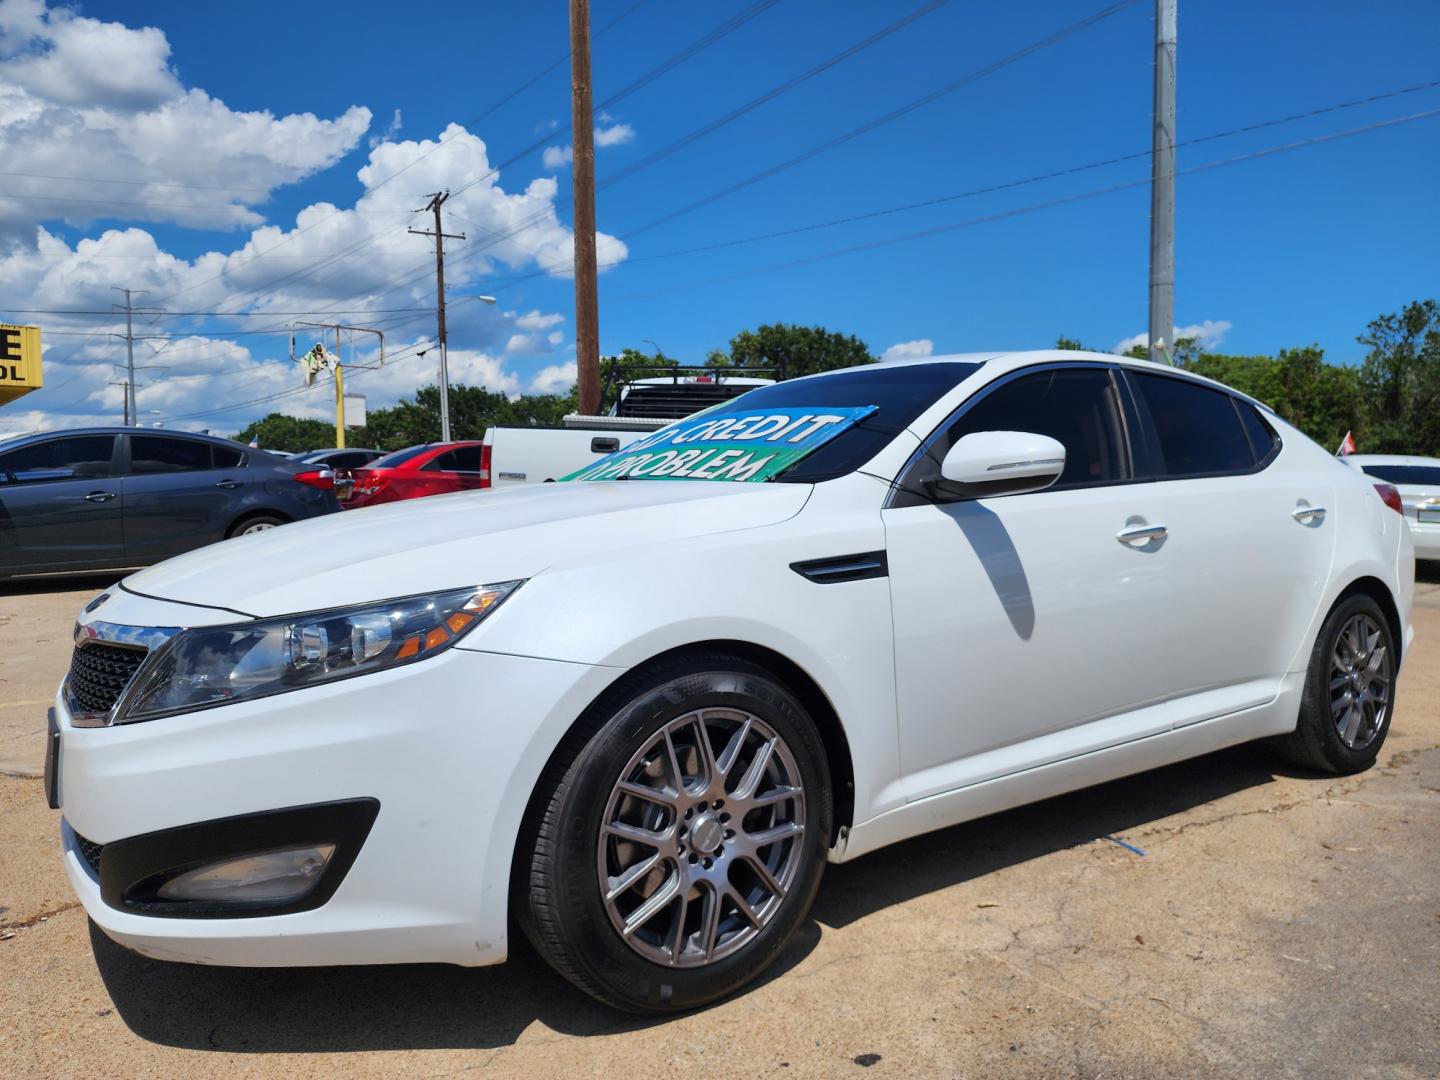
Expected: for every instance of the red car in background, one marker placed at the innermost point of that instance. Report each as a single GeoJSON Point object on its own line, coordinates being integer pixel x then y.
{"type": "Point", "coordinates": [417, 471]}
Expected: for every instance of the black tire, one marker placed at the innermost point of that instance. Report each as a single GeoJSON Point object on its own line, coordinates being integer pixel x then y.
{"type": "Point", "coordinates": [1316, 742]}
{"type": "Point", "coordinates": [557, 895]}
{"type": "Point", "coordinates": [247, 524]}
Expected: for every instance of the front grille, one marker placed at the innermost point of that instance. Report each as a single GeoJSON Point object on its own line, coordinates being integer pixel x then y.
{"type": "Point", "coordinates": [99, 674]}
{"type": "Point", "coordinates": [90, 851]}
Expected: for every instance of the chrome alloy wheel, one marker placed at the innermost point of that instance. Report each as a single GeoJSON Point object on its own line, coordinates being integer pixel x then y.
{"type": "Point", "coordinates": [701, 837]}
{"type": "Point", "coordinates": [1361, 672]}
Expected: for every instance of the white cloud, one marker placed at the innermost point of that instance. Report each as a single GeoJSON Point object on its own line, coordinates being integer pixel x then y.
{"type": "Point", "coordinates": [909, 350]}
{"type": "Point", "coordinates": [557, 157]}
{"type": "Point", "coordinates": [1208, 333]}
{"type": "Point", "coordinates": [99, 100]}
{"type": "Point", "coordinates": [555, 379]}
{"type": "Point", "coordinates": [329, 256]}
{"type": "Point", "coordinates": [391, 130]}
{"type": "Point", "coordinates": [534, 320]}
{"type": "Point", "coordinates": [616, 135]}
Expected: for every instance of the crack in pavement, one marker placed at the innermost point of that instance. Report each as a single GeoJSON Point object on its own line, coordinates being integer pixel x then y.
{"type": "Point", "coordinates": [35, 920]}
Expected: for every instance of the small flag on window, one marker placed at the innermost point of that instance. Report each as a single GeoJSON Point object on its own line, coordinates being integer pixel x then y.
{"type": "Point", "coordinates": [1347, 446]}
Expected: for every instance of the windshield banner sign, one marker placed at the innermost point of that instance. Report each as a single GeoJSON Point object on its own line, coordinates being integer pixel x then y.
{"type": "Point", "coordinates": [751, 446]}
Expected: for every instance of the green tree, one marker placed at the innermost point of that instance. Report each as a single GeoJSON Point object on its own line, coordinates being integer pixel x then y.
{"type": "Point", "coordinates": [1400, 381]}
{"type": "Point", "coordinates": [291, 433]}
{"type": "Point", "coordinates": [791, 351]}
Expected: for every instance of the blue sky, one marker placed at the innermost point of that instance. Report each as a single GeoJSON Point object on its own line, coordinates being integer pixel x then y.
{"type": "Point", "coordinates": [1297, 247]}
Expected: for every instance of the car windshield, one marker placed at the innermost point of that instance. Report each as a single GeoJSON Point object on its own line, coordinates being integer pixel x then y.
{"type": "Point", "coordinates": [839, 422]}
{"type": "Point", "coordinates": [399, 457]}
{"type": "Point", "coordinates": [1406, 475]}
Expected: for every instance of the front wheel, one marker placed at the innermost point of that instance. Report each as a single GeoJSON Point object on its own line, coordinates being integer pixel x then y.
{"type": "Point", "coordinates": [1349, 691]}
{"type": "Point", "coordinates": [677, 842]}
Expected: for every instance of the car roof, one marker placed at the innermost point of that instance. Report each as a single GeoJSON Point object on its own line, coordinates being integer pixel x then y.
{"type": "Point", "coordinates": [119, 429]}
{"type": "Point", "coordinates": [1014, 359]}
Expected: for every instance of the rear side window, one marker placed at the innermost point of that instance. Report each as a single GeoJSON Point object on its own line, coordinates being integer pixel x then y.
{"type": "Point", "coordinates": [461, 459]}
{"type": "Point", "coordinates": [399, 457]}
{"type": "Point", "coordinates": [154, 454]}
{"type": "Point", "coordinates": [79, 457]}
{"type": "Point", "coordinates": [225, 458]}
{"type": "Point", "coordinates": [1263, 440]}
{"type": "Point", "coordinates": [1410, 475]}
{"type": "Point", "coordinates": [1077, 407]}
{"type": "Point", "coordinates": [1198, 429]}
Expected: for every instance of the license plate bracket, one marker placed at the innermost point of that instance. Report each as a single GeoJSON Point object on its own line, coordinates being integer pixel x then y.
{"type": "Point", "coordinates": [1426, 515]}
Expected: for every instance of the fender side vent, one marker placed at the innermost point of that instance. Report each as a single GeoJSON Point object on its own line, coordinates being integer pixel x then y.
{"type": "Point", "coordinates": [869, 564]}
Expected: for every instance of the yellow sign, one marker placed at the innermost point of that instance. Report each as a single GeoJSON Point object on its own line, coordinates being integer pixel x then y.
{"type": "Point", "coordinates": [19, 361]}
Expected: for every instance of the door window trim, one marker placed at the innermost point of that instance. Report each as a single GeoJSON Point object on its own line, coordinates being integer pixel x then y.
{"type": "Point", "coordinates": [905, 489]}
{"type": "Point", "coordinates": [1152, 473]}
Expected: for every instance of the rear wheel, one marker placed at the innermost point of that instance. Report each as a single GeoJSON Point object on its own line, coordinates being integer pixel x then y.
{"type": "Point", "coordinates": [255, 523]}
{"type": "Point", "coordinates": [1349, 691]}
{"type": "Point", "coordinates": [678, 842]}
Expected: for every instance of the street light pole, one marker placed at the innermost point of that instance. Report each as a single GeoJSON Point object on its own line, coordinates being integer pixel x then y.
{"type": "Point", "coordinates": [1162, 186]}
{"type": "Point", "coordinates": [436, 201]}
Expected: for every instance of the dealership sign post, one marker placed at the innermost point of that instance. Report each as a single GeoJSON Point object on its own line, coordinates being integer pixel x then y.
{"type": "Point", "coordinates": [19, 361]}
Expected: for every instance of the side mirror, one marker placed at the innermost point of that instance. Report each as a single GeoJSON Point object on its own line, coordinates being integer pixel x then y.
{"type": "Point", "coordinates": [988, 463]}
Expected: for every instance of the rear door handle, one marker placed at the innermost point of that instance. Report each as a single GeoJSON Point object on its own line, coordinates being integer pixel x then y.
{"type": "Point", "coordinates": [228, 485]}
{"type": "Point", "coordinates": [1142, 534]}
{"type": "Point", "coordinates": [100, 496]}
{"type": "Point", "coordinates": [1308, 514]}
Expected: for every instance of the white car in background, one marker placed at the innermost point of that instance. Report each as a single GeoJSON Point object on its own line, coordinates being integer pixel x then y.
{"type": "Point", "coordinates": [1417, 481]}
{"type": "Point", "coordinates": [639, 711]}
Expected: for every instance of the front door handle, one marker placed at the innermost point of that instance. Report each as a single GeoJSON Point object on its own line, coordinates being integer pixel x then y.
{"type": "Point", "coordinates": [100, 496]}
{"type": "Point", "coordinates": [1308, 515]}
{"type": "Point", "coordinates": [228, 485]}
{"type": "Point", "coordinates": [1142, 534]}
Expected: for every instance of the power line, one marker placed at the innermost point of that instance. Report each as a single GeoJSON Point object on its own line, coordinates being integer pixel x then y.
{"type": "Point", "coordinates": [1051, 203]}
{"type": "Point", "coordinates": [890, 117]}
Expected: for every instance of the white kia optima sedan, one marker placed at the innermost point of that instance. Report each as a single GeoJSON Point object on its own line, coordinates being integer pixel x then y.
{"type": "Point", "coordinates": [639, 710]}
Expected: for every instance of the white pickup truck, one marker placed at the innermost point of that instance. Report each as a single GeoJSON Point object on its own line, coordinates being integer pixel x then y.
{"type": "Point", "coordinates": [531, 455]}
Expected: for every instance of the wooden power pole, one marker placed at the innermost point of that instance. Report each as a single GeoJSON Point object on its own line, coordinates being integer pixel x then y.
{"type": "Point", "coordinates": [437, 200]}
{"type": "Point", "coordinates": [587, 314]}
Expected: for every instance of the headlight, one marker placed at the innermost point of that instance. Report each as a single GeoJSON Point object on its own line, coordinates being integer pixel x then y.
{"type": "Point", "coordinates": [217, 665]}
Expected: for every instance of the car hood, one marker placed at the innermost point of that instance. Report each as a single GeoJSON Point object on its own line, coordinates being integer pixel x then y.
{"type": "Point", "coordinates": [447, 541]}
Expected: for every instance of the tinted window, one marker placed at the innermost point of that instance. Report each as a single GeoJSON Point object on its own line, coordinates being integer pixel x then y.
{"type": "Point", "coordinates": [900, 394]}
{"type": "Point", "coordinates": [1077, 407]}
{"type": "Point", "coordinates": [350, 459]}
{"type": "Point", "coordinates": [75, 458]}
{"type": "Point", "coordinates": [1199, 429]}
{"type": "Point", "coordinates": [157, 454]}
{"type": "Point", "coordinates": [399, 457]}
{"type": "Point", "coordinates": [223, 457]}
{"type": "Point", "coordinates": [1417, 475]}
{"type": "Point", "coordinates": [1263, 440]}
{"type": "Point", "coordinates": [461, 459]}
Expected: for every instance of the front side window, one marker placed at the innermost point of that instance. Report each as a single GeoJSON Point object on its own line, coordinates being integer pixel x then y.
{"type": "Point", "coordinates": [150, 454]}
{"type": "Point", "coordinates": [78, 457]}
{"type": "Point", "coordinates": [1078, 407]}
{"type": "Point", "coordinates": [1199, 430]}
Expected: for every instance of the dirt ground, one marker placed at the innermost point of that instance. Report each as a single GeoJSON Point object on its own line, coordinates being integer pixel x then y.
{"type": "Point", "coordinates": [1256, 920]}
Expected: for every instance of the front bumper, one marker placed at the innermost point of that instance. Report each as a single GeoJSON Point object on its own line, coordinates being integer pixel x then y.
{"type": "Point", "coordinates": [450, 749]}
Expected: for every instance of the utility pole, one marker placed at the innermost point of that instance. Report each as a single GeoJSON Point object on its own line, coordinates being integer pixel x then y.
{"type": "Point", "coordinates": [1162, 187]}
{"type": "Point", "coordinates": [131, 415]}
{"type": "Point", "coordinates": [587, 310]}
{"type": "Point", "coordinates": [437, 200]}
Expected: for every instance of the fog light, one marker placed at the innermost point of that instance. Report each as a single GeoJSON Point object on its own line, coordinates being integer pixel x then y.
{"type": "Point", "coordinates": [281, 876]}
